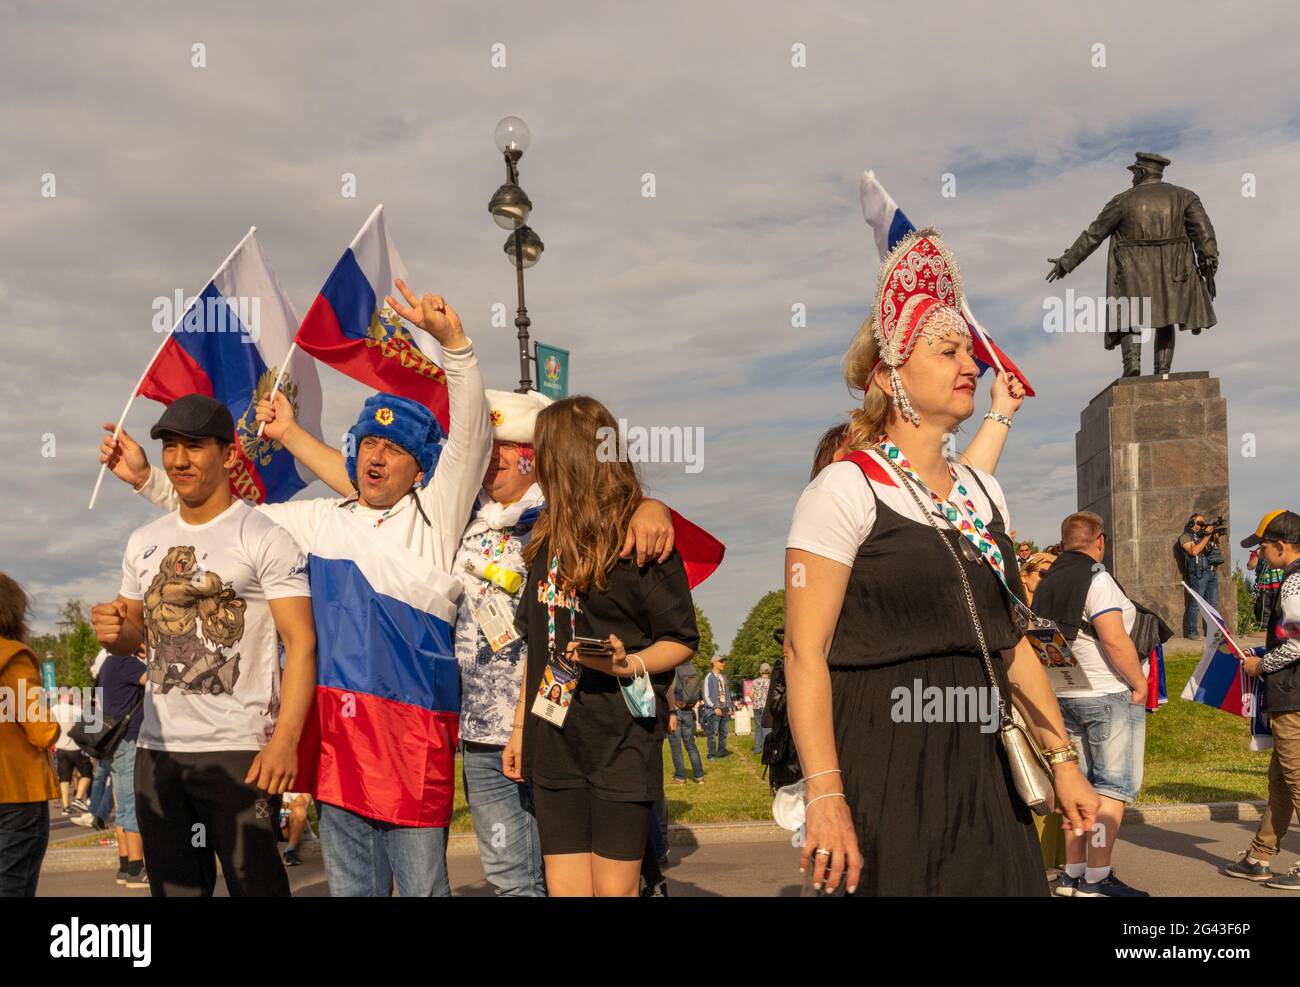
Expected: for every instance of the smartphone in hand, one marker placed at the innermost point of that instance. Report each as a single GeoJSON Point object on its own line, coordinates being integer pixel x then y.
{"type": "Point", "coordinates": [593, 646]}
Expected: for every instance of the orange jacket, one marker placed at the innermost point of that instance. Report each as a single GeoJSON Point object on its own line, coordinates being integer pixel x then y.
{"type": "Point", "coordinates": [25, 740]}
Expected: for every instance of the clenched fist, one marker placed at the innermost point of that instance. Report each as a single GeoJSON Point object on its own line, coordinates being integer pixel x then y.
{"type": "Point", "coordinates": [108, 620]}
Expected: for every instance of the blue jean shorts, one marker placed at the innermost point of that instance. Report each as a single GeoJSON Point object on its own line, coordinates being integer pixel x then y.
{"type": "Point", "coordinates": [1110, 734]}
{"type": "Point", "coordinates": [124, 785]}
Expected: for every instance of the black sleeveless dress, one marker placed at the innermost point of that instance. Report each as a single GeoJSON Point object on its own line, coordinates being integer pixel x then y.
{"type": "Point", "coordinates": [932, 800]}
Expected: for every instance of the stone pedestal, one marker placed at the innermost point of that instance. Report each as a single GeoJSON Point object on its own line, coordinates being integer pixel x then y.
{"type": "Point", "coordinates": [1149, 452]}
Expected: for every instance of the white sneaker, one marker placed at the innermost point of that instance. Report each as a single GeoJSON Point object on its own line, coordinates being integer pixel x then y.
{"type": "Point", "coordinates": [85, 819]}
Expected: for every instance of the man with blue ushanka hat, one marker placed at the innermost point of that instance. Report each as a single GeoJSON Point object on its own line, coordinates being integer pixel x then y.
{"type": "Point", "coordinates": [414, 495]}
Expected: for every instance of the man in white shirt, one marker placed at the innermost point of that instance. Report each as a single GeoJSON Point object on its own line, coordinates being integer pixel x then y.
{"type": "Point", "coordinates": [1107, 721]}
{"type": "Point", "coordinates": [210, 587]}
{"type": "Point", "coordinates": [70, 758]}
{"type": "Point", "coordinates": [409, 510]}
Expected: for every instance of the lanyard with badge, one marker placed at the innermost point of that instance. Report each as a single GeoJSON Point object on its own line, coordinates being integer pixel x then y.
{"type": "Point", "coordinates": [1053, 650]}
{"type": "Point", "coordinates": [560, 677]}
{"type": "Point", "coordinates": [493, 610]}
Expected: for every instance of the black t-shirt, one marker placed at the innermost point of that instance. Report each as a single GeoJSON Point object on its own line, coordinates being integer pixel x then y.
{"type": "Point", "coordinates": [119, 677]}
{"type": "Point", "coordinates": [601, 746]}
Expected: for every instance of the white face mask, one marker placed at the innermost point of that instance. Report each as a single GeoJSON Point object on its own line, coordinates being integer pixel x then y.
{"type": "Point", "coordinates": [788, 806]}
{"type": "Point", "coordinates": [640, 694]}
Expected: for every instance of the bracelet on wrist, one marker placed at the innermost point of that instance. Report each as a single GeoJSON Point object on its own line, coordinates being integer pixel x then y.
{"type": "Point", "coordinates": [1000, 419]}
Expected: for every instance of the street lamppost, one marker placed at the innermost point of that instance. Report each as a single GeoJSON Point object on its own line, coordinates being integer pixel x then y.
{"type": "Point", "coordinates": [510, 208]}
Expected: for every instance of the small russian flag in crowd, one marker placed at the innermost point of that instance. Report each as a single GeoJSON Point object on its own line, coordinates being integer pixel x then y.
{"type": "Point", "coordinates": [230, 344]}
{"type": "Point", "coordinates": [1220, 682]}
{"type": "Point", "coordinates": [350, 327]}
{"type": "Point", "coordinates": [890, 225]}
{"type": "Point", "coordinates": [382, 739]}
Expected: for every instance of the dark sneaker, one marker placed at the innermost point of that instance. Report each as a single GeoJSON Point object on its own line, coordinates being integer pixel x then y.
{"type": "Point", "coordinates": [1241, 867]}
{"type": "Point", "coordinates": [1290, 881]}
{"type": "Point", "coordinates": [1109, 887]}
{"type": "Point", "coordinates": [1066, 885]}
{"type": "Point", "coordinates": [659, 890]}
{"type": "Point", "coordinates": [291, 858]}
{"type": "Point", "coordinates": [79, 806]}
{"type": "Point", "coordinates": [122, 875]}
{"type": "Point", "coordinates": [99, 823]}
{"type": "Point", "coordinates": [69, 810]}
{"type": "Point", "coordinates": [140, 880]}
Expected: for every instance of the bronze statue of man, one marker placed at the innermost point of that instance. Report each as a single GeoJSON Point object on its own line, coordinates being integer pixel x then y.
{"type": "Point", "coordinates": [1162, 254]}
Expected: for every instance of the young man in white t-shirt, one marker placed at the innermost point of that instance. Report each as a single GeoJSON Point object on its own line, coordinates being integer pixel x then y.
{"type": "Point", "coordinates": [209, 587]}
{"type": "Point", "coordinates": [1107, 722]}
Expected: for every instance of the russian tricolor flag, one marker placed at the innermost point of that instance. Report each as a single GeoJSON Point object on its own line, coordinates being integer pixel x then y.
{"type": "Point", "coordinates": [890, 225]}
{"type": "Point", "coordinates": [350, 328]}
{"type": "Point", "coordinates": [382, 739]}
{"type": "Point", "coordinates": [1219, 680]}
{"type": "Point", "coordinates": [701, 552]}
{"type": "Point", "coordinates": [229, 344]}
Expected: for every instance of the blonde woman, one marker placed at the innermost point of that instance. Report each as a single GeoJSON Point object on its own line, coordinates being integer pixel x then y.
{"type": "Point", "coordinates": [589, 727]}
{"type": "Point", "coordinates": [879, 604]}
{"type": "Point", "coordinates": [1031, 574]}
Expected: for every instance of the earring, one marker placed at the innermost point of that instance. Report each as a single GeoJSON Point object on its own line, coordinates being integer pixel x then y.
{"type": "Point", "coordinates": [902, 406]}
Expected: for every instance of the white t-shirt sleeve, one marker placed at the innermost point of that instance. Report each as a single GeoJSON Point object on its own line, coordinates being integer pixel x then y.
{"type": "Point", "coordinates": [834, 514]}
{"type": "Point", "coordinates": [131, 588]}
{"type": "Point", "coordinates": [281, 566]}
{"type": "Point", "coordinates": [1104, 595]}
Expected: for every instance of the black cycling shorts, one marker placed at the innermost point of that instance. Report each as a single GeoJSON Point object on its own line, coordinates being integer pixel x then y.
{"type": "Point", "coordinates": [573, 820]}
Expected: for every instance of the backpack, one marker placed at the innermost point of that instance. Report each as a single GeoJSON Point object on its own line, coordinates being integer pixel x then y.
{"type": "Point", "coordinates": [689, 689]}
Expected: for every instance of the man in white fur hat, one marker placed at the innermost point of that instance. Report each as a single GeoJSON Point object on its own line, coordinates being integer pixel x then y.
{"type": "Point", "coordinates": [490, 562]}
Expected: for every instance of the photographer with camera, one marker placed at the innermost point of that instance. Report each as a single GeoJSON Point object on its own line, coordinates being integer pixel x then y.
{"type": "Point", "coordinates": [1199, 543]}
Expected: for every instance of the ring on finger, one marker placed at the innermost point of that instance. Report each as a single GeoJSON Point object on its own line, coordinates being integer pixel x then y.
{"type": "Point", "coordinates": [819, 852]}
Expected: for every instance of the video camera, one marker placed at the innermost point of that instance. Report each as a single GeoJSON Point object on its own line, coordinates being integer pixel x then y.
{"type": "Point", "coordinates": [1219, 524]}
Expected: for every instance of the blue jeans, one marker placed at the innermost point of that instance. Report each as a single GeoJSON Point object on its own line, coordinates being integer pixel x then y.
{"type": "Point", "coordinates": [124, 786]}
{"type": "Point", "coordinates": [24, 835]}
{"type": "Point", "coordinates": [685, 734]}
{"type": "Point", "coordinates": [717, 735]}
{"type": "Point", "coordinates": [1110, 733]}
{"type": "Point", "coordinates": [760, 734]}
{"type": "Point", "coordinates": [1207, 584]}
{"type": "Point", "coordinates": [101, 796]}
{"type": "Point", "coordinates": [508, 845]}
{"type": "Point", "coordinates": [363, 857]}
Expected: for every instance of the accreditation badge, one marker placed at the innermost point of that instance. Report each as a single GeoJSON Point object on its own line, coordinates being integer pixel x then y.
{"type": "Point", "coordinates": [495, 619]}
{"type": "Point", "coordinates": [555, 694]}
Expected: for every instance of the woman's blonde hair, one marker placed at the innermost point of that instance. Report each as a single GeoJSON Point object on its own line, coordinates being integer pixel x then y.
{"type": "Point", "coordinates": [867, 422]}
{"type": "Point", "coordinates": [590, 496]}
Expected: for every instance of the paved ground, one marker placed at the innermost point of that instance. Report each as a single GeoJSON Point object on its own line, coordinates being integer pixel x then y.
{"type": "Point", "coordinates": [1169, 860]}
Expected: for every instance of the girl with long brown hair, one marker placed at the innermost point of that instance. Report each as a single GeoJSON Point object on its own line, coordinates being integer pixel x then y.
{"type": "Point", "coordinates": [589, 725]}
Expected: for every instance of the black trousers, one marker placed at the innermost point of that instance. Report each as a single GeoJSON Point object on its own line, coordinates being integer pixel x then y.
{"type": "Point", "coordinates": [24, 835]}
{"type": "Point", "coordinates": [194, 809]}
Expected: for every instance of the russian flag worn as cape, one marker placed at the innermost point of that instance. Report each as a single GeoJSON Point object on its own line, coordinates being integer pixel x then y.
{"type": "Point", "coordinates": [381, 741]}
{"type": "Point", "coordinates": [229, 344]}
{"type": "Point", "coordinates": [890, 225]}
{"type": "Point", "coordinates": [350, 327]}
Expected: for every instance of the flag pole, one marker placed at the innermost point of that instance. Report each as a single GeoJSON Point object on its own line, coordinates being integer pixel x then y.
{"type": "Point", "coordinates": [279, 375]}
{"type": "Point", "coordinates": [135, 391]}
{"type": "Point", "coordinates": [988, 343]}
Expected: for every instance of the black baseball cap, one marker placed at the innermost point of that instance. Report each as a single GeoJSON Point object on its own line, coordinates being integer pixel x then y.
{"type": "Point", "coordinates": [196, 416]}
{"type": "Point", "coordinates": [1276, 525]}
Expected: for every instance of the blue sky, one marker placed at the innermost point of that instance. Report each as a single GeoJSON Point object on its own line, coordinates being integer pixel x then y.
{"type": "Point", "coordinates": [676, 308]}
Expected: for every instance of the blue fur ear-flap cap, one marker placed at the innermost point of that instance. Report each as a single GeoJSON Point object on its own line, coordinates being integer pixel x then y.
{"type": "Point", "coordinates": [404, 423]}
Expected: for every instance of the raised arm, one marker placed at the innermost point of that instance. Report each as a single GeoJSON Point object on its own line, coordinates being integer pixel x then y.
{"type": "Point", "coordinates": [281, 425]}
{"type": "Point", "coordinates": [984, 451]}
{"type": "Point", "coordinates": [450, 495]}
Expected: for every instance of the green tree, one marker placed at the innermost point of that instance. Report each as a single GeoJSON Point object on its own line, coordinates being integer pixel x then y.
{"type": "Point", "coordinates": [703, 659]}
{"type": "Point", "coordinates": [754, 643]}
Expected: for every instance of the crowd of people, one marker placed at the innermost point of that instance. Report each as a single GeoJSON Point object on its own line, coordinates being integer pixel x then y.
{"type": "Point", "coordinates": [559, 595]}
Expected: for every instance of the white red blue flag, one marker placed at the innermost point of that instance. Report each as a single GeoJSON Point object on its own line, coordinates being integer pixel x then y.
{"type": "Point", "coordinates": [351, 328]}
{"type": "Point", "coordinates": [889, 224]}
{"type": "Point", "coordinates": [1220, 682]}
{"type": "Point", "coordinates": [230, 344]}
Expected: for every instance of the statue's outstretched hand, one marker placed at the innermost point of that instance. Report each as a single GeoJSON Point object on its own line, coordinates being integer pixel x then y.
{"type": "Point", "coordinates": [1057, 272]}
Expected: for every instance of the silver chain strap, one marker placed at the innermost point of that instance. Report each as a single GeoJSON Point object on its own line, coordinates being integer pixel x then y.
{"type": "Point", "coordinates": [965, 585]}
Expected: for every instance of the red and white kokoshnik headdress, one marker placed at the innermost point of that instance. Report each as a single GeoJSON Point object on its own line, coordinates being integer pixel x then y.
{"type": "Point", "coordinates": [918, 295]}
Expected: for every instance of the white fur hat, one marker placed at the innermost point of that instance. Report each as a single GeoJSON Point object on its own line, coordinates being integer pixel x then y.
{"type": "Point", "coordinates": [514, 415]}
